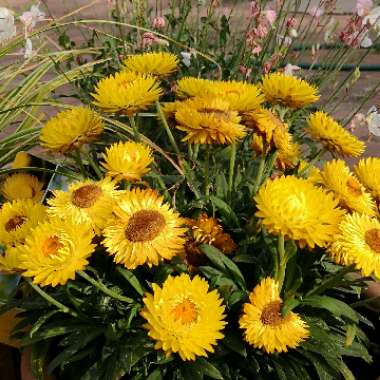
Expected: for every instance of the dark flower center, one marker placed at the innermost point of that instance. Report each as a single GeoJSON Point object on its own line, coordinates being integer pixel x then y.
{"type": "Point", "coordinates": [144, 225]}
{"type": "Point", "coordinates": [86, 196]}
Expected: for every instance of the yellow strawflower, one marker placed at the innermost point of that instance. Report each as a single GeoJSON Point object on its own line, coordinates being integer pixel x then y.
{"type": "Point", "coordinates": [336, 176]}
{"type": "Point", "coordinates": [184, 317]}
{"type": "Point", "coordinates": [294, 208]}
{"type": "Point", "coordinates": [264, 326]}
{"type": "Point", "coordinates": [71, 129]}
{"type": "Point", "coordinates": [87, 202]}
{"type": "Point", "coordinates": [55, 250]}
{"type": "Point", "coordinates": [17, 218]}
{"type": "Point", "coordinates": [10, 262]}
{"type": "Point", "coordinates": [288, 151]}
{"type": "Point", "coordinates": [333, 136]}
{"type": "Point", "coordinates": [126, 93]}
{"type": "Point", "coordinates": [241, 96]}
{"type": "Point", "coordinates": [209, 121]}
{"type": "Point", "coordinates": [158, 64]}
{"type": "Point", "coordinates": [368, 172]}
{"type": "Point", "coordinates": [127, 160]}
{"type": "Point", "coordinates": [22, 186]}
{"type": "Point", "coordinates": [145, 231]}
{"type": "Point", "coordinates": [263, 122]}
{"type": "Point", "coordinates": [358, 243]}
{"type": "Point", "coordinates": [22, 159]}
{"type": "Point", "coordinates": [288, 90]}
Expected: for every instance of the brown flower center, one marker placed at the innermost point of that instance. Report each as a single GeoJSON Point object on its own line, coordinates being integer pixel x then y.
{"type": "Point", "coordinates": [15, 222]}
{"type": "Point", "coordinates": [372, 238]}
{"type": "Point", "coordinates": [86, 196]}
{"type": "Point", "coordinates": [271, 314]}
{"type": "Point", "coordinates": [144, 225]}
{"type": "Point", "coordinates": [51, 245]}
{"type": "Point", "coordinates": [185, 312]}
{"type": "Point", "coordinates": [353, 186]}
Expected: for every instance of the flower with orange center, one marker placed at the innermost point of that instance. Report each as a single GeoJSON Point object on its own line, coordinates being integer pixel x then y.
{"type": "Point", "coordinates": [265, 327]}
{"type": "Point", "coordinates": [184, 317]}
{"type": "Point", "coordinates": [17, 218]}
{"type": "Point", "coordinates": [145, 231]}
{"type": "Point", "coordinates": [55, 250]}
{"type": "Point", "coordinates": [86, 202]}
{"type": "Point", "coordinates": [358, 243]}
{"type": "Point", "coordinates": [352, 195]}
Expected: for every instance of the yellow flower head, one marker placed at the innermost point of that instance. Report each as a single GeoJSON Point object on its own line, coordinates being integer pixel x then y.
{"type": "Point", "coordinates": [158, 64]}
{"type": "Point", "coordinates": [293, 207]}
{"type": "Point", "coordinates": [87, 202]}
{"type": "Point", "coordinates": [22, 159]}
{"type": "Point", "coordinates": [336, 176]}
{"type": "Point", "coordinates": [242, 96]}
{"type": "Point", "coordinates": [209, 121]}
{"type": "Point", "coordinates": [126, 93]}
{"type": "Point", "coordinates": [17, 218]}
{"type": "Point", "coordinates": [264, 326]}
{"type": "Point", "coordinates": [127, 160]}
{"type": "Point", "coordinates": [288, 150]}
{"type": "Point", "coordinates": [358, 243]}
{"type": "Point", "coordinates": [368, 171]}
{"type": "Point", "coordinates": [145, 231]}
{"type": "Point", "coordinates": [263, 122]}
{"type": "Point", "coordinates": [55, 250]}
{"type": "Point", "coordinates": [333, 136]}
{"type": "Point", "coordinates": [71, 129]}
{"type": "Point", "coordinates": [206, 230]}
{"type": "Point", "coordinates": [22, 186]}
{"type": "Point", "coordinates": [288, 90]}
{"type": "Point", "coordinates": [10, 261]}
{"type": "Point", "coordinates": [184, 317]}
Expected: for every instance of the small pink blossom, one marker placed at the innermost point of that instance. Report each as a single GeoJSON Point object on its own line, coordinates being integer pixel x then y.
{"type": "Point", "coordinates": [159, 22]}
{"type": "Point", "coordinates": [357, 121]}
{"type": "Point", "coordinates": [316, 12]}
{"type": "Point", "coordinates": [363, 7]}
{"type": "Point", "coordinates": [260, 31]}
{"type": "Point", "coordinates": [256, 49]}
{"type": "Point", "coordinates": [31, 17]}
{"type": "Point", "coordinates": [291, 22]}
{"type": "Point", "coordinates": [290, 69]}
{"type": "Point", "coordinates": [245, 71]}
{"type": "Point", "coordinates": [151, 39]}
{"type": "Point", "coordinates": [270, 15]}
{"type": "Point", "coordinates": [267, 67]}
{"type": "Point", "coordinates": [254, 9]}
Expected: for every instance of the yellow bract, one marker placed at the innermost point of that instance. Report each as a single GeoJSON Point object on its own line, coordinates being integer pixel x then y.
{"type": "Point", "coordinates": [126, 93]}
{"type": "Point", "coordinates": [288, 90]}
{"type": "Point", "coordinates": [87, 202]}
{"type": "Point", "coordinates": [264, 326]}
{"type": "Point", "coordinates": [294, 208]}
{"type": "Point", "coordinates": [127, 160]}
{"type": "Point", "coordinates": [368, 171]}
{"type": "Point", "coordinates": [22, 159]}
{"type": "Point", "coordinates": [209, 121]}
{"type": "Point", "coordinates": [333, 136]}
{"type": "Point", "coordinates": [184, 317]}
{"type": "Point", "coordinates": [358, 243]}
{"type": "Point", "coordinates": [336, 176]}
{"type": "Point", "coordinates": [71, 129]}
{"type": "Point", "coordinates": [55, 250]}
{"type": "Point", "coordinates": [241, 96]}
{"type": "Point", "coordinates": [22, 186]}
{"type": "Point", "coordinates": [145, 231]}
{"type": "Point", "coordinates": [10, 262]}
{"type": "Point", "coordinates": [159, 64]}
{"type": "Point", "coordinates": [17, 218]}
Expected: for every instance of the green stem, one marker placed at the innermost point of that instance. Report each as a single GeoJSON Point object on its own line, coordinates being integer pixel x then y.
{"type": "Point", "coordinates": [52, 300]}
{"type": "Point", "coordinates": [94, 166]}
{"type": "Point", "coordinates": [136, 132]}
{"type": "Point", "coordinates": [167, 129]}
{"type": "Point", "coordinates": [207, 175]}
{"type": "Point", "coordinates": [232, 168]}
{"type": "Point", "coordinates": [282, 260]}
{"type": "Point", "coordinates": [259, 176]}
{"type": "Point", "coordinates": [104, 289]}
{"type": "Point", "coordinates": [78, 160]}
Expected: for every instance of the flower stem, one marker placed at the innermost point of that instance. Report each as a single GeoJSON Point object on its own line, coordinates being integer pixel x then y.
{"type": "Point", "coordinates": [282, 261]}
{"type": "Point", "coordinates": [232, 168]}
{"type": "Point", "coordinates": [51, 300]}
{"type": "Point", "coordinates": [134, 127]}
{"type": "Point", "coordinates": [167, 129]}
{"type": "Point", "coordinates": [259, 176]}
{"type": "Point", "coordinates": [207, 175]}
{"type": "Point", "coordinates": [94, 166]}
{"type": "Point", "coordinates": [104, 289]}
{"type": "Point", "coordinates": [79, 161]}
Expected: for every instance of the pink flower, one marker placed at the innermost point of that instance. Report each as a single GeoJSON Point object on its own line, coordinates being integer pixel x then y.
{"type": "Point", "coordinates": [267, 67]}
{"type": "Point", "coordinates": [151, 39]}
{"type": "Point", "coordinates": [245, 71]}
{"type": "Point", "coordinates": [316, 12]}
{"type": "Point", "coordinates": [256, 49]}
{"type": "Point", "coordinates": [357, 121]}
{"type": "Point", "coordinates": [291, 69]}
{"type": "Point", "coordinates": [291, 22]}
{"type": "Point", "coordinates": [159, 22]}
{"type": "Point", "coordinates": [254, 9]}
{"type": "Point", "coordinates": [31, 17]}
{"type": "Point", "coordinates": [260, 31]}
{"type": "Point", "coordinates": [363, 7]}
{"type": "Point", "coordinates": [270, 15]}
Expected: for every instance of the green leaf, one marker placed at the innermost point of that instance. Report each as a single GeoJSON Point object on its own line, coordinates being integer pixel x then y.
{"type": "Point", "coordinates": [289, 305]}
{"type": "Point", "coordinates": [206, 368]}
{"type": "Point", "coordinates": [333, 305]}
{"type": "Point", "coordinates": [155, 375]}
{"type": "Point", "coordinates": [234, 342]}
{"type": "Point", "coordinates": [190, 372]}
{"type": "Point", "coordinates": [132, 279]}
{"type": "Point", "coordinates": [37, 359]}
{"type": "Point", "coordinates": [225, 264]}
{"type": "Point", "coordinates": [41, 321]}
{"type": "Point", "coordinates": [8, 285]}
{"type": "Point", "coordinates": [350, 334]}
{"type": "Point", "coordinates": [225, 210]}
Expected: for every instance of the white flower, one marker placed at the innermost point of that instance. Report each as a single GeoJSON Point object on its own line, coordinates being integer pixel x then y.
{"type": "Point", "coordinates": [286, 40]}
{"type": "Point", "coordinates": [186, 58]}
{"type": "Point", "coordinates": [293, 33]}
{"type": "Point", "coordinates": [373, 18]}
{"type": "Point", "coordinates": [31, 17]}
{"type": "Point", "coordinates": [366, 42]}
{"type": "Point", "coordinates": [7, 24]}
{"type": "Point", "coordinates": [290, 69]}
{"type": "Point", "coordinates": [28, 52]}
{"type": "Point", "coordinates": [373, 121]}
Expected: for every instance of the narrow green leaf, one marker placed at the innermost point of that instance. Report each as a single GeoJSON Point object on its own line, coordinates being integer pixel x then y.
{"type": "Point", "coordinates": [132, 279]}
{"type": "Point", "coordinates": [155, 375]}
{"type": "Point", "coordinates": [208, 369]}
{"type": "Point", "coordinates": [225, 210]}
